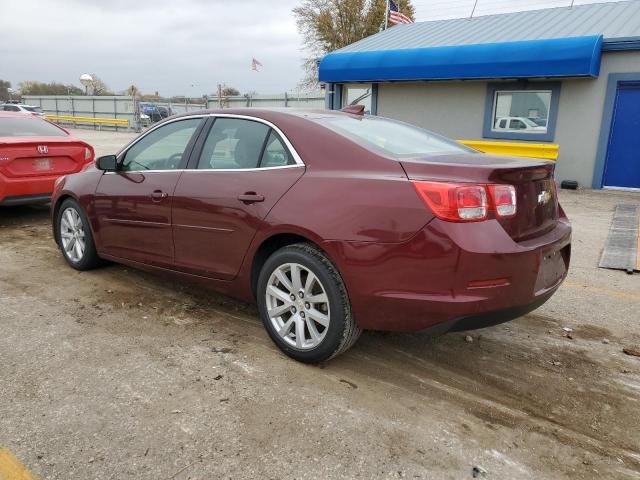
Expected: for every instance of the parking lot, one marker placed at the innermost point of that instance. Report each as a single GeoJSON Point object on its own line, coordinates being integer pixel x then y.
{"type": "Point", "coordinates": [118, 374]}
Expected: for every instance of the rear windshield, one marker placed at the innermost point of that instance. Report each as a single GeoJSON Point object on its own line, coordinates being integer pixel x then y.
{"type": "Point", "coordinates": [32, 109]}
{"type": "Point", "coordinates": [391, 137]}
{"type": "Point", "coordinates": [28, 127]}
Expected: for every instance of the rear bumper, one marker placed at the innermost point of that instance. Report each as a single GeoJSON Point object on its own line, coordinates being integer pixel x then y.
{"type": "Point", "coordinates": [19, 191]}
{"type": "Point", "coordinates": [431, 281]}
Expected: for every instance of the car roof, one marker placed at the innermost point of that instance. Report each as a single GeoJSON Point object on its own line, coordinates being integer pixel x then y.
{"type": "Point", "coordinates": [267, 113]}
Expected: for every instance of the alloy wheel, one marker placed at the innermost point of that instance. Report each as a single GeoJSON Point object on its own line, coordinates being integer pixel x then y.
{"type": "Point", "coordinates": [298, 306]}
{"type": "Point", "coordinates": [72, 234]}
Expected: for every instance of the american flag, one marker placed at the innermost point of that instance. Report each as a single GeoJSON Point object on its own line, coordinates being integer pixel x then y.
{"type": "Point", "coordinates": [395, 17]}
{"type": "Point", "coordinates": [255, 64]}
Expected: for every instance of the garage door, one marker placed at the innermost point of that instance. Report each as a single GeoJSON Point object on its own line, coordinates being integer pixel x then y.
{"type": "Point", "coordinates": [622, 167]}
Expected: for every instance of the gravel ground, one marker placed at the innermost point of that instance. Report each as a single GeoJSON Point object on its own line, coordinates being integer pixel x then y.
{"type": "Point", "coordinates": [118, 374]}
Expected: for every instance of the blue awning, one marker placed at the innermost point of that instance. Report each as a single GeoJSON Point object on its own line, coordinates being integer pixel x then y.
{"type": "Point", "coordinates": [556, 57]}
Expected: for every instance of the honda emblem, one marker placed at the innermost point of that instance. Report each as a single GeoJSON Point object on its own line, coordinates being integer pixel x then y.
{"type": "Point", "coordinates": [43, 149]}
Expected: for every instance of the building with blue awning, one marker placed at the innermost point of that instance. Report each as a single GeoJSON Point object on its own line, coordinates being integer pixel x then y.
{"type": "Point", "coordinates": [565, 76]}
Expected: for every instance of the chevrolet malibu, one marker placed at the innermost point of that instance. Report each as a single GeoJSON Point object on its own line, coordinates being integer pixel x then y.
{"type": "Point", "coordinates": [333, 222]}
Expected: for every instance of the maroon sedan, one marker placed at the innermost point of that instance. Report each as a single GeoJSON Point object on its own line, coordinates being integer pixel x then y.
{"type": "Point", "coordinates": [33, 154]}
{"type": "Point", "coordinates": [333, 222]}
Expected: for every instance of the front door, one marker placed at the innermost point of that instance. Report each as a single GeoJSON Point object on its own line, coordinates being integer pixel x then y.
{"type": "Point", "coordinates": [622, 167]}
{"type": "Point", "coordinates": [243, 169]}
{"type": "Point", "coordinates": [133, 204]}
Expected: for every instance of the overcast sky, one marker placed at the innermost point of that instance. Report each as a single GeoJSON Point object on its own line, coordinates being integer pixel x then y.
{"type": "Point", "coordinates": [176, 47]}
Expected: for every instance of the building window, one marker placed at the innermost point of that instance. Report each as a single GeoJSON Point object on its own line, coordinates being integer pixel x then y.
{"type": "Point", "coordinates": [358, 94]}
{"type": "Point", "coordinates": [522, 111]}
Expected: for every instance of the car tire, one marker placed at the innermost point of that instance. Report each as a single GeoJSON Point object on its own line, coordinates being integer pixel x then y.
{"type": "Point", "coordinates": [317, 324]}
{"type": "Point", "coordinates": [72, 232]}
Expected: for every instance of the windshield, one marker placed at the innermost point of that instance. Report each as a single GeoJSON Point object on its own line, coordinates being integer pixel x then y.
{"type": "Point", "coordinates": [32, 109]}
{"type": "Point", "coordinates": [28, 127]}
{"type": "Point", "coordinates": [391, 137]}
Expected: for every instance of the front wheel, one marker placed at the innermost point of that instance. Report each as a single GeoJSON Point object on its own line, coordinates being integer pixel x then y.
{"type": "Point", "coordinates": [74, 237]}
{"type": "Point", "coordinates": [304, 304]}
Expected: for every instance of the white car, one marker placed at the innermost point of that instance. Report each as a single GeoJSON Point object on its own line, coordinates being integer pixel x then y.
{"type": "Point", "coordinates": [517, 123]}
{"type": "Point", "coordinates": [22, 108]}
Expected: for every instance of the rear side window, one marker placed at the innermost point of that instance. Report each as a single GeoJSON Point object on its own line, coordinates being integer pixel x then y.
{"type": "Point", "coordinates": [275, 153]}
{"type": "Point", "coordinates": [11, 108]}
{"type": "Point", "coordinates": [233, 144]}
{"type": "Point", "coordinates": [393, 138]}
{"type": "Point", "coordinates": [28, 127]}
{"type": "Point", "coordinates": [32, 109]}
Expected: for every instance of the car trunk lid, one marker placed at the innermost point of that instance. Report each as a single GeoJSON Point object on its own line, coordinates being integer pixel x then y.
{"type": "Point", "coordinates": [537, 203]}
{"type": "Point", "coordinates": [41, 156]}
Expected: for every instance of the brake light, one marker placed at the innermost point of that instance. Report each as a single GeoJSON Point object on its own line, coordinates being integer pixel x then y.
{"type": "Point", "coordinates": [464, 202]}
{"type": "Point", "coordinates": [504, 199]}
{"type": "Point", "coordinates": [454, 202]}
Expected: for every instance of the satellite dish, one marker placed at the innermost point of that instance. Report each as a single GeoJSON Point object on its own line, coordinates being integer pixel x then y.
{"type": "Point", "coordinates": [86, 79]}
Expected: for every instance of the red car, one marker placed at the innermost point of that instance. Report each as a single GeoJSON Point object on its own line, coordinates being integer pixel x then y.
{"type": "Point", "coordinates": [333, 222]}
{"type": "Point", "coordinates": [33, 154]}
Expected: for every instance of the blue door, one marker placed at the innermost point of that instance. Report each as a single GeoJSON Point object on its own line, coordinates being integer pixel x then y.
{"type": "Point", "coordinates": [622, 167]}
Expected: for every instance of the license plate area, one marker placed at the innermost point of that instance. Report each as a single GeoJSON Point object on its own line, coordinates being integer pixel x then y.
{"type": "Point", "coordinates": [553, 267]}
{"type": "Point", "coordinates": [42, 164]}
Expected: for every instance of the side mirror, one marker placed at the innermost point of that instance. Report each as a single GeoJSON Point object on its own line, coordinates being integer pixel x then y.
{"type": "Point", "coordinates": [108, 163]}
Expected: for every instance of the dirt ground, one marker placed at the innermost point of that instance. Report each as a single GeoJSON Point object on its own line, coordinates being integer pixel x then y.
{"type": "Point", "coordinates": [118, 374]}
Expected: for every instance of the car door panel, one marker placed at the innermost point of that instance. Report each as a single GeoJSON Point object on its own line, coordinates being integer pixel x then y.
{"type": "Point", "coordinates": [134, 217]}
{"type": "Point", "coordinates": [221, 201]}
{"type": "Point", "coordinates": [212, 227]}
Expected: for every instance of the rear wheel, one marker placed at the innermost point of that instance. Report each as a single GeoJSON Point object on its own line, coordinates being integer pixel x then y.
{"type": "Point", "coordinates": [304, 304]}
{"type": "Point", "coordinates": [74, 237]}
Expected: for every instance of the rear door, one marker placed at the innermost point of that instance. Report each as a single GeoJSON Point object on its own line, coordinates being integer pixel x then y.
{"type": "Point", "coordinates": [133, 205]}
{"type": "Point", "coordinates": [240, 171]}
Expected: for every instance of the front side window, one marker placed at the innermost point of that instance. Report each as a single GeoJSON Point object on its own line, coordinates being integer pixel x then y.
{"type": "Point", "coordinates": [233, 144]}
{"type": "Point", "coordinates": [161, 149]}
{"type": "Point", "coordinates": [357, 94]}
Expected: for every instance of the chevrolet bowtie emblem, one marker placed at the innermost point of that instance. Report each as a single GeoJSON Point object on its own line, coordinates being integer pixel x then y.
{"type": "Point", "coordinates": [544, 197]}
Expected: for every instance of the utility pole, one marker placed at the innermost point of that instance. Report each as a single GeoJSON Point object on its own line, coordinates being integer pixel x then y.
{"type": "Point", "coordinates": [386, 16]}
{"type": "Point", "coordinates": [219, 95]}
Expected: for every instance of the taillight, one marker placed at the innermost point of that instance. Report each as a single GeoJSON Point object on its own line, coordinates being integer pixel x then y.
{"type": "Point", "coordinates": [464, 202]}
{"type": "Point", "coordinates": [454, 201]}
{"type": "Point", "coordinates": [504, 199]}
{"type": "Point", "coordinates": [88, 153]}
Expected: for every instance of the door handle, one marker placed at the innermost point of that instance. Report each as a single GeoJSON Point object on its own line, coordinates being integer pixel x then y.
{"type": "Point", "coordinates": [251, 197]}
{"type": "Point", "coordinates": [158, 195]}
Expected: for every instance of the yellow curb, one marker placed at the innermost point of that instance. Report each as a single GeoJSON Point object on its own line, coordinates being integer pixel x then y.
{"type": "Point", "coordinates": [605, 291]}
{"type": "Point", "coordinates": [12, 469]}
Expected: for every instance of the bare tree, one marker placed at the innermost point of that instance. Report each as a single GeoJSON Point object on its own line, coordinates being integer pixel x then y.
{"type": "Point", "coordinates": [98, 87]}
{"type": "Point", "coordinates": [328, 25]}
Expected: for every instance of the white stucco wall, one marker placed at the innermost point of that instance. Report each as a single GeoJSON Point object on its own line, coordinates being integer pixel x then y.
{"type": "Point", "coordinates": [456, 109]}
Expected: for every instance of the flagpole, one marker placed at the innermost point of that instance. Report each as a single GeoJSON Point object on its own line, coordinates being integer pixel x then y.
{"type": "Point", "coordinates": [386, 16]}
